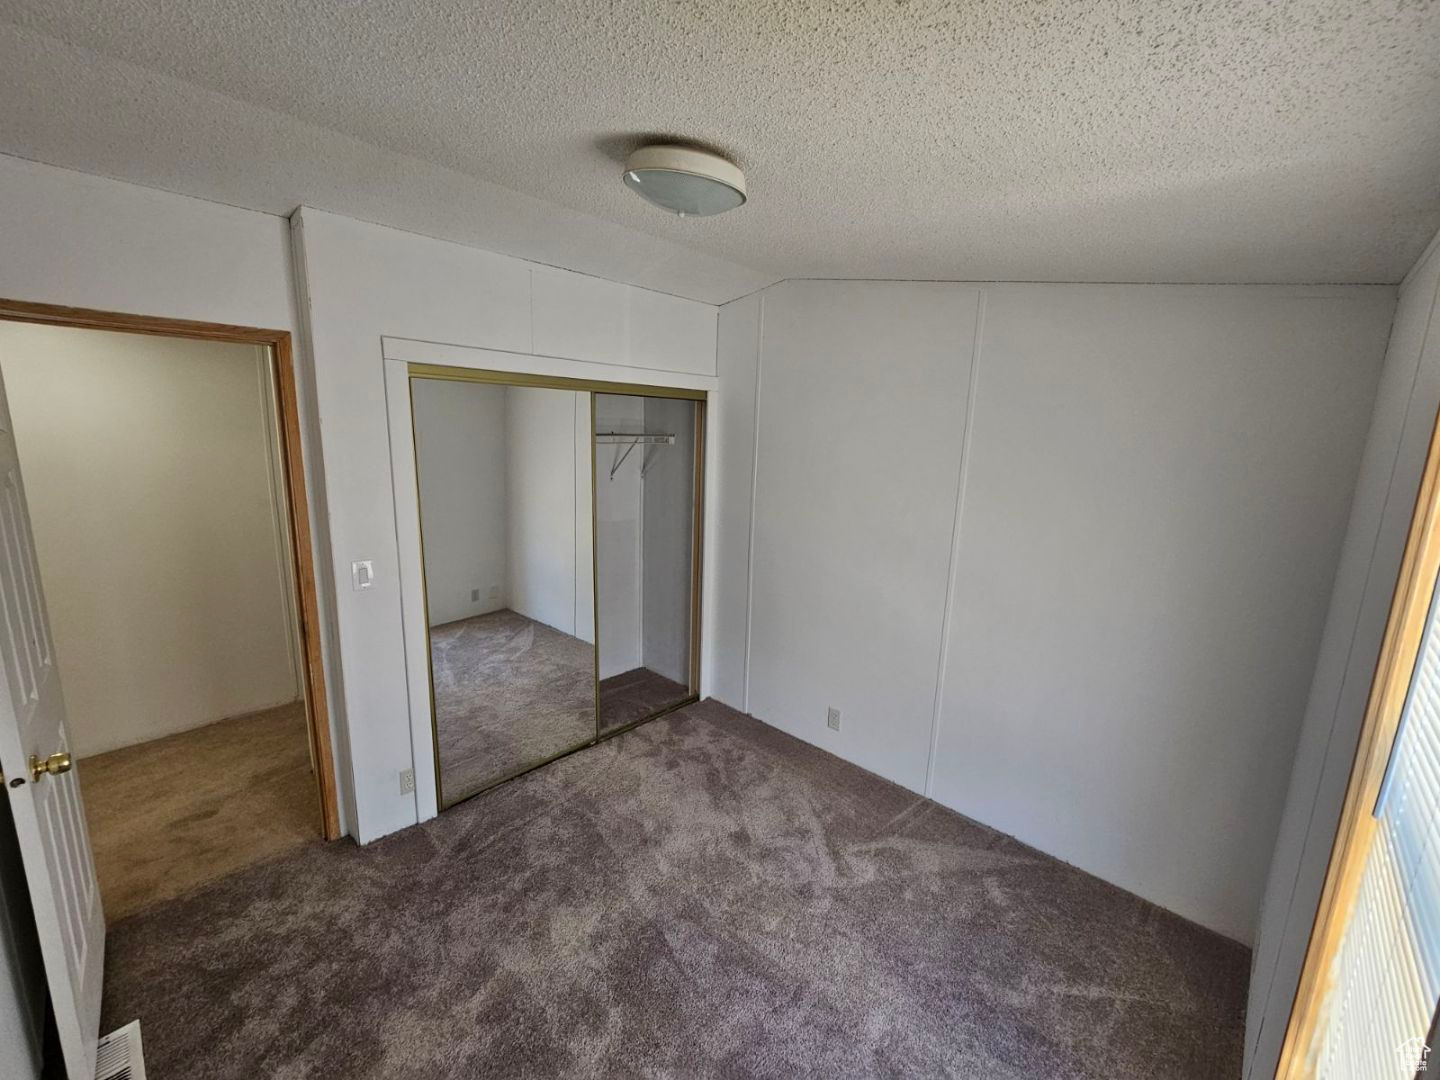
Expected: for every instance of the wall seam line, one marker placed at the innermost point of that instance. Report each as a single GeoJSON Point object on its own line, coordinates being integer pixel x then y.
{"type": "Point", "coordinates": [530, 297]}
{"type": "Point", "coordinates": [962, 474]}
{"type": "Point", "coordinates": [754, 486]}
{"type": "Point", "coordinates": [415, 747]}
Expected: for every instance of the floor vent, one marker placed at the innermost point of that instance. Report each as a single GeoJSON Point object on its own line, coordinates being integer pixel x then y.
{"type": "Point", "coordinates": [120, 1056]}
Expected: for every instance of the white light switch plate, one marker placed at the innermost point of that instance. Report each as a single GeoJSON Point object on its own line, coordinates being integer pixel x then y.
{"type": "Point", "coordinates": [362, 574]}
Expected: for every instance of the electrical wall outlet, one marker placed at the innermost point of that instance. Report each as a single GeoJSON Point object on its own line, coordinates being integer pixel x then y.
{"type": "Point", "coordinates": [474, 596]}
{"type": "Point", "coordinates": [832, 719]}
{"type": "Point", "coordinates": [407, 781]}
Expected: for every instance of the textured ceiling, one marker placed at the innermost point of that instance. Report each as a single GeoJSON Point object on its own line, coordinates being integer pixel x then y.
{"type": "Point", "coordinates": [1121, 141]}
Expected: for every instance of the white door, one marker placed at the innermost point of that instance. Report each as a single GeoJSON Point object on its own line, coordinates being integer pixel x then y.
{"type": "Point", "coordinates": [42, 786]}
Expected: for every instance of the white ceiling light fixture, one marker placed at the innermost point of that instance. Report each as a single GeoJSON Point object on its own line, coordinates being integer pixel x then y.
{"type": "Point", "coordinates": [688, 182]}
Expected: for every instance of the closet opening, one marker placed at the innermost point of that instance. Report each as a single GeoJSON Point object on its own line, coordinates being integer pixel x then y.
{"type": "Point", "coordinates": [560, 549]}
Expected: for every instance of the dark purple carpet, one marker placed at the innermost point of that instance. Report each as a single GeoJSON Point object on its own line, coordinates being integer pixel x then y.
{"type": "Point", "coordinates": [702, 896]}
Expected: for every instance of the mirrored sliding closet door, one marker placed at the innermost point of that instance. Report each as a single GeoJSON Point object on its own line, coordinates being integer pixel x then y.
{"type": "Point", "coordinates": [646, 554]}
{"type": "Point", "coordinates": [504, 475]}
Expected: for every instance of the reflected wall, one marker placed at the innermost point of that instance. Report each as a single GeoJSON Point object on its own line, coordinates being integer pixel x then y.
{"type": "Point", "coordinates": [504, 479]}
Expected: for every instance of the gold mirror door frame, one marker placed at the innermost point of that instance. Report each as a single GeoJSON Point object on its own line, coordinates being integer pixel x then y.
{"type": "Point", "coordinates": [417, 372]}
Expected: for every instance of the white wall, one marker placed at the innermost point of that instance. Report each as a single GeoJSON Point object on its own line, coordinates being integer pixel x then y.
{"type": "Point", "coordinates": [460, 459]}
{"type": "Point", "coordinates": [149, 466]}
{"type": "Point", "coordinates": [861, 420]}
{"type": "Point", "coordinates": [667, 540]}
{"type": "Point", "coordinates": [364, 283]}
{"type": "Point", "coordinates": [504, 475]}
{"type": "Point", "coordinates": [730, 474]}
{"type": "Point", "coordinates": [1093, 627]}
{"type": "Point", "coordinates": [618, 552]}
{"type": "Point", "coordinates": [1154, 504]}
{"type": "Point", "coordinates": [541, 504]}
{"type": "Point", "coordinates": [1394, 459]}
{"type": "Point", "coordinates": [584, 523]}
{"type": "Point", "coordinates": [89, 242]}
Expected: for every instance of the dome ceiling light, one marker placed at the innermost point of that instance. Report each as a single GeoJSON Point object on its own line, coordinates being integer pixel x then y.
{"type": "Point", "coordinates": [688, 182]}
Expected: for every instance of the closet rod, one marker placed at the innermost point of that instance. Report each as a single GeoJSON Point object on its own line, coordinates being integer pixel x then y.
{"type": "Point", "coordinates": [631, 438]}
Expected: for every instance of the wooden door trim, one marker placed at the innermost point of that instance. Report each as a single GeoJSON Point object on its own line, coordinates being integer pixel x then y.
{"type": "Point", "coordinates": [1399, 653]}
{"type": "Point", "coordinates": [302, 553]}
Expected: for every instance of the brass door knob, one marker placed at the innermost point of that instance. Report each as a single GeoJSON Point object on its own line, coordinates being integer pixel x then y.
{"type": "Point", "coordinates": [54, 765]}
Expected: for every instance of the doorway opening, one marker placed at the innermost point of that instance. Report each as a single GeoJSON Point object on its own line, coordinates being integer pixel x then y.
{"type": "Point", "coordinates": [163, 475]}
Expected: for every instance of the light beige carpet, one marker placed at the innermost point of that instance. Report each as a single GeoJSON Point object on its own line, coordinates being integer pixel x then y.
{"type": "Point", "coordinates": [176, 813]}
{"type": "Point", "coordinates": [510, 693]}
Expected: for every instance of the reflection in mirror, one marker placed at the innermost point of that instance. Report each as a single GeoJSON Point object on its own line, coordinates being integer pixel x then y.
{"type": "Point", "coordinates": [504, 475]}
{"type": "Point", "coordinates": [644, 553]}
